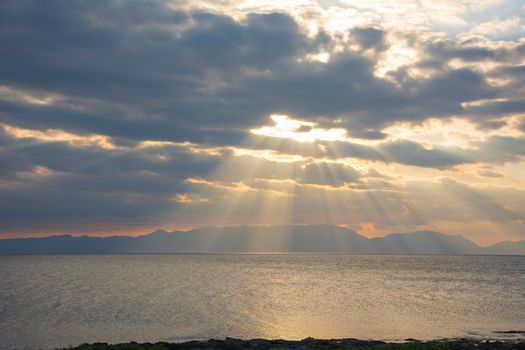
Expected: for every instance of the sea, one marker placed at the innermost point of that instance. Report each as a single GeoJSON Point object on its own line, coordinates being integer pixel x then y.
{"type": "Point", "coordinates": [55, 301]}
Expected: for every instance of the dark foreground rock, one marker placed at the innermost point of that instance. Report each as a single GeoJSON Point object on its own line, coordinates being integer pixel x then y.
{"type": "Point", "coordinates": [309, 343]}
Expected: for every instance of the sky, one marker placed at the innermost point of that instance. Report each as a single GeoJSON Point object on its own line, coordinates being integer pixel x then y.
{"type": "Point", "coordinates": [121, 117]}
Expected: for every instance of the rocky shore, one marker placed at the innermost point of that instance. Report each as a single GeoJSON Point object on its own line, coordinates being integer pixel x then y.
{"type": "Point", "coordinates": [310, 344]}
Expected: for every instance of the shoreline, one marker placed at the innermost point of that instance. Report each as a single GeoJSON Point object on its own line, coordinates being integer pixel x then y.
{"type": "Point", "coordinates": [325, 344]}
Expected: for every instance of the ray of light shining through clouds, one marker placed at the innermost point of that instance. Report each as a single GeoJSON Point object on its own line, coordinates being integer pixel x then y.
{"type": "Point", "coordinates": [175, 170]}
{"type": "Point", "coordinates": [380, 116]}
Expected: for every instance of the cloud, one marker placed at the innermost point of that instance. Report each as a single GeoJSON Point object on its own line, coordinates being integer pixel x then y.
{"type": "Point", "coordinates": [108, 110]}
{"type": "Point", "coordinates": [369, 37]}
{"type": "Point", "coordinates": [496, 27]}
{"type": "Point", "coordinates": [161, 74]}
{"type": "Point", "coordinates": [489, 173]}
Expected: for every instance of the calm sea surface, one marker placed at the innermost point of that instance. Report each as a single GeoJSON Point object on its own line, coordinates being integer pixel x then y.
{"type": "Point", "coordinates": [56, 301]}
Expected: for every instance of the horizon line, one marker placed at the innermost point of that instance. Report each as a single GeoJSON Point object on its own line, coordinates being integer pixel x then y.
{"type": "Point", "coordinates": [250, 226]}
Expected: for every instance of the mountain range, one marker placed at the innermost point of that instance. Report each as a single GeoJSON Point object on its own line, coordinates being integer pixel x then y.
{"type": "Point", "coordinates": [250, 239]}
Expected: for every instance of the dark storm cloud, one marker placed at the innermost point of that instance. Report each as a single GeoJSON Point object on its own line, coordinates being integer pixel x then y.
{"type": "Point", "coordinates": [63, 157]}
{"type": "Point", "coordinates": [164, 66]}
{"type": "Point", "coordinates": [511, 71]}
{"type": "Point", "coordinates": [46, 180]}
{"type": "Point", "coordinates": [138, 71]}
{"type": "Point", "coordinates": [447, 50]}
{"type": "Point", "coordinates": [494, 149]}
{"type": "Point", "coordinates": [405, 152]}
{"type": "Point", "coordinates": [188, 75]}
{"type": "Point", "coordinates": [499, 108]}
{"type": "Point", "coordinates": [119, 121]}
{"type": "Point", "coordinates": [369, 38]}
{"type": "Point", "coordinates": [471, 51]}
{"type": "Point", "coordinates": [347, 89]}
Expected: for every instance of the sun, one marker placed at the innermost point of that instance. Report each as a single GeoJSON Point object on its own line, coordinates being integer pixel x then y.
{"type": "Point", "coordinates": [298, 130]}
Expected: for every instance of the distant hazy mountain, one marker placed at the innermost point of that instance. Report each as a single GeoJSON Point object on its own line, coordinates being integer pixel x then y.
{"type": "Point", "coordinates": [245, 239]}
{"type": "Point", "coordinates": [424, 242]}
{"type": "Point", "coordinates": [508, 247]}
